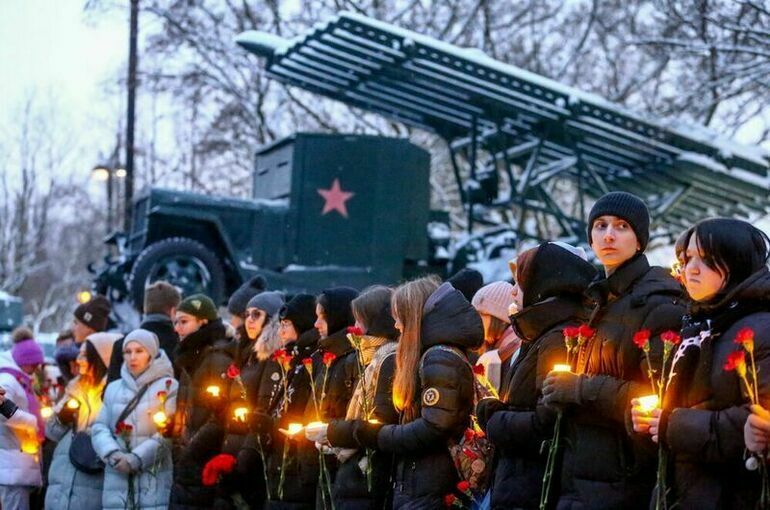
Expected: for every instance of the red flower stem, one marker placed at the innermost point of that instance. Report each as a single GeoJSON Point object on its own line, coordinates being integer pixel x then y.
{"type": "Point", "coordinates": [755, 393]}
{"type": "Point", "coordinates": [283, 468]}
{"type": "Point", "coordinates": [551, 462]}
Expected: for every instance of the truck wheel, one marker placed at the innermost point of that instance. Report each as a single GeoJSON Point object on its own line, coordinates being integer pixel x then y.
{"type": "Point", "coordinates": [185, 263]}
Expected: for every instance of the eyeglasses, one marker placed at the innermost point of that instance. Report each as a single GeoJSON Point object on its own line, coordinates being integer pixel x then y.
{"type": "Point", "coordinates": [253, 315]}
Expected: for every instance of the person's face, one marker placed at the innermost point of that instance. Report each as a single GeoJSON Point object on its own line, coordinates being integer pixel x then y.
{"type": "Point", "coordinates": [80, 330]}
{"type": "Point", "coordinates": [30, 369]}
{"type": "Point", "coordinates": [287, 332]}
{"type": "Point", "coordinates": [136, 358]}
{"type": "Point", "coordinates": [518, 297]}
{"type": "Point", "coordinates": [186, 324]}
{"type": "Point", "coordinates": [236, 321]}
{"type": "Point", "coordinates": [82, 362]}
{"type": "Point", "coordinates": [702, 282]}
{"type": "Point", "coordinates": [320, 322]}
{"type": "Point", "coordinates": [255, 321]}
{"type": "Point", "coordinates": [613, 241]}
{"type": "Point", "coordinates": [398, 324]}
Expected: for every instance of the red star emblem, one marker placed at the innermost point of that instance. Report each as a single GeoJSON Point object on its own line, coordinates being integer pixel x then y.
{"type": "Point", "coordinates": [335, 199]}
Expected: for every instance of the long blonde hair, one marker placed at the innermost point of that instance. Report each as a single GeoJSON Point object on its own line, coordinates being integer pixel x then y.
{"type": "Point", "coordinates": [408, 302]}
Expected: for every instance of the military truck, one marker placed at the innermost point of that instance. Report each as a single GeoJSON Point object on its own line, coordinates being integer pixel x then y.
{"type": "Point", "coordinates": [325, 210]}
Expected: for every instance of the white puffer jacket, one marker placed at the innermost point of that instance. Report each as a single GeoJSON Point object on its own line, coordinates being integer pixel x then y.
{"type": "Point", "coordinates": [152, 483]}
{"type": "Point", "coordinates": [16, 466]}
{"type": "Point", "coordinates": [68, 488]}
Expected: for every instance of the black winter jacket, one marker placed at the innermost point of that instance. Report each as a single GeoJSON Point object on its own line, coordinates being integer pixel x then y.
{"type": "Point", "coordinates": [518, 431]}
{"type": "Point", "coordinates": [704, 431]}
{"type": "Point", "coordinates": [199, 423]}
{"type": "Point", "coordinates": [301, 468]}
{"type": "Point", "coordinates": [350, 486]}
{"type": "Point", "coordinates": [606, 466]}
{"type": "Point", "coordinates": [424, 471]}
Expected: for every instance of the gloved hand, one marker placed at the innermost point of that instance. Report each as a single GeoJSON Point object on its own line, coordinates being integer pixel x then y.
{"type": "Point", "coordinates": [67, 416]}
{"type": "Point", "coordinates": [486, 408]}
{"type": "Point", "coordinates": [118, 462]}
{"type": "Point", "coordinates": [562, 388]}
{"type": "Point", "coordinates": [317, 434]}
{"type": "Point", "coordinates": [366, 433]}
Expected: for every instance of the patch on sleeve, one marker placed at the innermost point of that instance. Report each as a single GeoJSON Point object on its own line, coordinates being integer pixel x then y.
{"type": "Point", "coordinates": [430, 397]}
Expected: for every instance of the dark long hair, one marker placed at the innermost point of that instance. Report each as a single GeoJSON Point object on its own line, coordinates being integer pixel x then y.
{"type": "Point", "coordinates": [734, 248]}
{"type": "Point", "coordinates": [98, 370]}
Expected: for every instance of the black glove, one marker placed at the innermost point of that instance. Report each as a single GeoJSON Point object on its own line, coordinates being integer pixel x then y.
{"type": "Point", "coordinates": [366, 433]}
{"type": "Point", "coordinates": [67, 415]}
{"type": "Point", "coordinates": [486, 408]}
{"type": "Point", "coordinates": [8, 408]}
{"type": "Point", "coordinates": [561, 388]}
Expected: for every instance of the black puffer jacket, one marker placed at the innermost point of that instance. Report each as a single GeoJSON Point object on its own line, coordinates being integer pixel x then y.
{"type": "Point", "coordinates": [301, 468]}
{"type": "Point", "coordinates": [424, 471]}
{"type": "Point", "coordinates": [604, 466]}
{"type": "Point", "coordinates": [518, 431]}
{"type": "Point", "coordinates": [704, 431]}
{"type": "Point", "coordinates": [261, 381]}
{"type": "Point", "coordinates": [350, 487]}
{"type": "Point", "coordinates": [201, 359]}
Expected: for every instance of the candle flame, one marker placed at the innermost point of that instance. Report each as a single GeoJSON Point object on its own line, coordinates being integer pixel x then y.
{"type": "Point", "coordinates": [213, 390]}
{"type": "Point", "coordinates": [160, 418]}
{"type": "Point", "coordinates": [296, 427]}
{"type": "Point", "coordinates": [46, 412]}
{"type": "Point", "coordinates": [73, 403]}
{"type": "Point", "coordinates": [239, 413]}
{"type": "Point", "coordinates": [648, 403]}
{"type": "Point", "coordinates": [561, 367]}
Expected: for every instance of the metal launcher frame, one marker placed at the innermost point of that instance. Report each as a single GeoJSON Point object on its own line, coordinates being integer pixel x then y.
{"type": "Point", "coordinates": [500, 120]}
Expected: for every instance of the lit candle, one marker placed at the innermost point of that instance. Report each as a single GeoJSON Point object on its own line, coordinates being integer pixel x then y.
{"type": "Point", "coordinates": [160, 419]}
{"type": "Point", "coordinates": [295, 427]}
{"type": "Point", "coordinates": [648, 403]}
{"type": "Point", "coordinates": [46, 412]}
{"type": "Point", "coordinates": [561, 367]}
{"type": "Point", "coordinates": [73, 403]}
{"type": "Point", "coordinates": [239, 413]}
{"type": "Point", "coordinates": [373, 420]}
{"type": "Point", "coordinates": [213, 390]}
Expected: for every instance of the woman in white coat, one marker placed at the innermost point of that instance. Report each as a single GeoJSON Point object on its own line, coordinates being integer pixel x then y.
{"type": "Point", "coordinates": [128, 434]}
{"type": "Point", "coordinates": [69, 487]}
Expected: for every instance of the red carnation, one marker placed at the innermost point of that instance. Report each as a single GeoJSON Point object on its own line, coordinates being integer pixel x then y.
{"type": "Point", "coordinates": [571, 331]}
{"type": "Point", "coordinates": [469, 435]}
{"type": "Point", "coordinates": [463, 486]}
{"type": "Point", "coordinates": [479, 370]}
{"type": "Point", "coordinates": [736, 361]}
{"type": "Point", "coordinates": [169, 382]}
{"type": "Point", "coordinates": [123, 428]}
{"type": "Point", "coordinates": [642, 339]}
{"type": "Point", "coordinates": [449, 500]}
{"type": "Point", "coordinates": [308, 362]}
{"type": "Point", "coordinates": [162, 395]}
{"type": "Point", "coordinates": [745, 337]}
{"type": "Point", "coordinates": [586, 331]}
{"type": "Point", "coordinates": [329, 358]}
{"type": "Point", "coordinates": [355, 331]}
{"type": "Point", "coordinates": [219, 464]}
{"type": "Point", "coordinates": [233, 371]}
{"type": "Point", "coordinates": [671, 337]}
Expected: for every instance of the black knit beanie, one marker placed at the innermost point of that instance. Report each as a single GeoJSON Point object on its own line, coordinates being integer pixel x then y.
{"type": "Point", "coordinates": [237, 303]}
{"type": "Point", "coordinates": [627, 206]}
{"type": "Point", "coordinates": [467, 281]}
{"type": "Point", "coordinates": [554, 271]}
{"type": "Point", "coordinates": [336, 304]}
{"type": "Point", "coordinates": [94, 313]}
{"type": "Point", "coordinates": [300, 310]}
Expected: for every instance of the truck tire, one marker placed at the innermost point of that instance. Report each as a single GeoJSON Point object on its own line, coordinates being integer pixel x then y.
{"type": "Point", "coordinates": [182, 262]}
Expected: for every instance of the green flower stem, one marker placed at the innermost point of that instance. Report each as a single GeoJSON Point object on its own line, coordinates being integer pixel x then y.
{"type": "Point", "coordinates": [550, 464]}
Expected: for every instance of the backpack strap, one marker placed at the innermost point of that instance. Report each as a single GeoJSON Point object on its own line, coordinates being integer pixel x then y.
{"type": "Point", "coordinates": [133, 402]}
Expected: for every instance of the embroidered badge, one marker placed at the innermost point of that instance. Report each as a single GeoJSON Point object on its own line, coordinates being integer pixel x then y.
{"type": "Point", "coordinates": [87, 316]}
{"type": "Point", "coordinates": [196, 304]}
{"type": "Point", "coordinates": [275, 376]}
{"type": "Point", "coordinates": [430, 397]}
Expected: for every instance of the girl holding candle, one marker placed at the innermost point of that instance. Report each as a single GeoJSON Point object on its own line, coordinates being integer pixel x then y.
{"type": "Point", "coordinates": [371, 401]}
{"type": "Point", "coordinates": [126, 434]}
{"type": "Point", "coordinates": [68, 487]}
{"type": "Point", "coordinates": [706, 405]}
{"type": "Point", "coordinates": [433, 391]}
{"type": "Point", "coordinates": [550, 280]}
{"type": "Point", "coordinates": [605, 465]}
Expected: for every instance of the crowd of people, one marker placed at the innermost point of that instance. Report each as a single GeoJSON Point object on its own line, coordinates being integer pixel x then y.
{"type": "Point", "coordinates": [569, 387]}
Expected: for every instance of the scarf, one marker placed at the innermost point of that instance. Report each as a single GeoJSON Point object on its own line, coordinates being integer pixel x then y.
{"type": "Point", "coordinates": [374, 350]}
